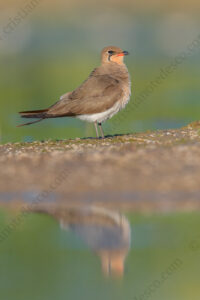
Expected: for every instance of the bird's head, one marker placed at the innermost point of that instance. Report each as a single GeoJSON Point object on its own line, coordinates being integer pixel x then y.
{"type": "Point", "coordinates": [113, 54]}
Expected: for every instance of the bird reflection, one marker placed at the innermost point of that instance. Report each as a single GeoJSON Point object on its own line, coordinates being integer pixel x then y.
{"type": "Point", "coordinates": [105, 232]}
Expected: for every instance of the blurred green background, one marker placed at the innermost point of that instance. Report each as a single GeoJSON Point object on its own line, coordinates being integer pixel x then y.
{"type": "Point", "coordinates": [48, 48]}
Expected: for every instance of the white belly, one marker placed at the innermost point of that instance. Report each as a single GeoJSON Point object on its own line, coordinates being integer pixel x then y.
{"type": "Point", "coordinates": [105, 115]}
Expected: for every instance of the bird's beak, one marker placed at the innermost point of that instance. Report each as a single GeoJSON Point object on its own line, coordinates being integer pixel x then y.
{"type": "Point", "coordinates": [123, 53]}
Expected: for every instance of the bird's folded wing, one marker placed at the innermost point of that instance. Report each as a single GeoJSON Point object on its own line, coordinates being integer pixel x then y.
{"type": "Point", "coordinates": [97, 94]}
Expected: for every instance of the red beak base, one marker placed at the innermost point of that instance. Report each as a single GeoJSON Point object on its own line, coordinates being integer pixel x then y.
{"type": "Point", "coordinates": [120, 54]}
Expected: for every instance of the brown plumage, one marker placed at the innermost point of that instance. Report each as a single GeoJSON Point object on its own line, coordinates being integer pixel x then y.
{"type": "Point", "coordinates": [104, 93]}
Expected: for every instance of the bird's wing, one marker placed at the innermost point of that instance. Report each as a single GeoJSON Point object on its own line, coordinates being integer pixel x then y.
{"type": "Point", "coordinates": [97, 94]}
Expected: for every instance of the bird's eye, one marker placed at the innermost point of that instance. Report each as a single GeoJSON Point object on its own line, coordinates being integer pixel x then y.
{"type": "Point", "coordinates": [111, 52]}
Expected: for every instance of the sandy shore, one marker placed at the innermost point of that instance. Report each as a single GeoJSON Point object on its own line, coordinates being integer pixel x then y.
{"type": "Point", "coordinates": [151, 171]}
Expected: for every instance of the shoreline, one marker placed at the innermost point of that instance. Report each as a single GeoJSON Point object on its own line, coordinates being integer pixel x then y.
{"type": "Point", "coordinates": [157, 171]}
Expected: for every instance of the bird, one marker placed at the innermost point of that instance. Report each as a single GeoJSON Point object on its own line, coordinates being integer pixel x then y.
{"type": "Point", "coordinates": [106, 232]}
{"type": "Point", "coordinates": [104, 93]}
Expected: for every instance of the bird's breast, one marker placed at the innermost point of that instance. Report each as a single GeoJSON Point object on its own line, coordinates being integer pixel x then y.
{"type": "Point", "coordinates": [126, 93]}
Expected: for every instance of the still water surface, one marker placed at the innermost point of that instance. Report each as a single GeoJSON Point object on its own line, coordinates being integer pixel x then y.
{"type": "Point", "coordinates": [93, 252]}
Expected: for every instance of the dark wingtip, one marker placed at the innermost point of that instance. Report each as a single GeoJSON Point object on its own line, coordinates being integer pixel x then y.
{"type": "Point", "coordinates": [33, 111]}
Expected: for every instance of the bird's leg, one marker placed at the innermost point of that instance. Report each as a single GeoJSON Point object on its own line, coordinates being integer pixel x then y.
{"type": "Point", "coordinates": [96, 128]}
{"type": "Point", "coordinates": [102, 134]}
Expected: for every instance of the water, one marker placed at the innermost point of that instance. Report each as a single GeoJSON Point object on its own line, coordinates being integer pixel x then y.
{"type": "Point", "coordinates": [92, 252]}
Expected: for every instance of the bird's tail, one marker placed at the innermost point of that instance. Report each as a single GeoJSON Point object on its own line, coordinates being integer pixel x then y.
{"type": "Point", "coordinates": [34, 114]}
{"type": "Point", "coordinates": [29, 123]}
